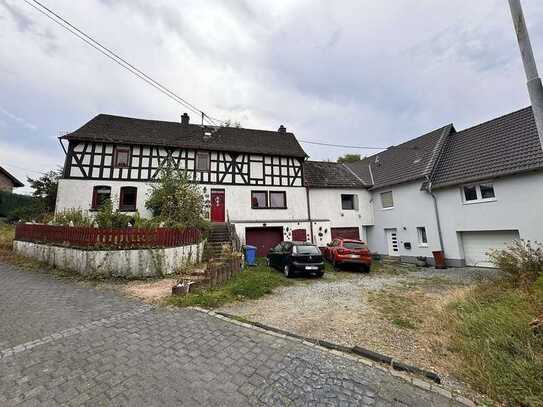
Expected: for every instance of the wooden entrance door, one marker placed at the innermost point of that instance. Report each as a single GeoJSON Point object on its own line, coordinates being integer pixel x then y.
{"type": "Point", "coordinates": [217, 205]}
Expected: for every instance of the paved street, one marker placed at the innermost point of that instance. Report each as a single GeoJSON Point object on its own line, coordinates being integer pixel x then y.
{"type": "Point", "coordinates": [65, 344]}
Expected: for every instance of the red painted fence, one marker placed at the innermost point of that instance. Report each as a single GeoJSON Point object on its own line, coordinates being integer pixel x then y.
{"type": "Point", "coordinates": [102, 237]}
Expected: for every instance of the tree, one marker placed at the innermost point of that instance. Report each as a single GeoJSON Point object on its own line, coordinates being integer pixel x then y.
{"type": "Point", "coordinates": [176, 202]}
{"type": "Point", "coordinates": [45, 189]}
{"type": "Point", "coordinates": [348, 158]}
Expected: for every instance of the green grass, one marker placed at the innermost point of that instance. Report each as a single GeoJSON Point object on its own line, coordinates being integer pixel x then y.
{"type": "Point", "coordinates": [500, 355]}
{"type": "Point", "coordinates": [399, 308]}
{"type": "Point", "coordinates": [251, 283]}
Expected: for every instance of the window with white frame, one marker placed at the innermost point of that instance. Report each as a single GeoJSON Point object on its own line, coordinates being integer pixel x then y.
{"type": "Point", "coordinates": [202, 162]}
{"type": "Point", "coordinates": [478, 192]}
{"type": "Point", "coordinates": [423, 238]}
{"type": "Point", "coordinates": [386, 200]}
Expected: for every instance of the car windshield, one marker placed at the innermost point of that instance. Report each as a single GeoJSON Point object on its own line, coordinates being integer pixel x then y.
{"type": "Point", "coordinates": [354, 245]}
{"type": "Point", "coordinates": [306, 250]}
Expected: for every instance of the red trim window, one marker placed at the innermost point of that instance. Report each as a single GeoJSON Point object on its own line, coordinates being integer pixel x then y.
{"type": "Point", "coordinates": [128, 199]}
{"type": "Point", "coordinates": [100, 194]}
{"type": "Point", "coordinates": [122, 157]}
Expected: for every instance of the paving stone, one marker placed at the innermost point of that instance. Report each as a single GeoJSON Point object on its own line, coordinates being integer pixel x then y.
{"type": "Point", "coordinates": [64, 343]}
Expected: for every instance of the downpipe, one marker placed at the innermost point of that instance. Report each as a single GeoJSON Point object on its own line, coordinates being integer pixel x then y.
{"type": "Point", "coordinates": [436, 211]}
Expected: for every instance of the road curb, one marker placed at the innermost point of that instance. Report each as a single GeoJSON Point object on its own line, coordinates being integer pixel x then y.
{"type": "Point", "coordinates": [362, 355]}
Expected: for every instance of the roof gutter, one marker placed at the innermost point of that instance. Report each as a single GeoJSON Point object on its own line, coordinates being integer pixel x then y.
{"type": "Point", "coordinates": [535, 88]}
{"type": "Point", "coordinates": [436, 210]}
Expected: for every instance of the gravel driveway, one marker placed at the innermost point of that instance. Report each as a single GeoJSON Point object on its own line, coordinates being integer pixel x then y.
{"type": "Point", "coordinates": [339, 309]}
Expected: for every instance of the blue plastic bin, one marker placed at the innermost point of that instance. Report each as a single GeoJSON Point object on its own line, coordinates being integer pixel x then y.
{"type": "Point", "coordinates": [250, 255]}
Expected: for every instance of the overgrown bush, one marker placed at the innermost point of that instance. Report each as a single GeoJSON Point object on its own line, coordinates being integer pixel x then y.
{"type": "Point", "coordinates": [500, 355]}
{"type": "Point", "coordinates": [73, 217]}
{"type": "Point", "coordinates": [176, 202]}
{"type": "Point", "coordinates": [522, 260]}
{"type": "Point", "coordinates": [106, 217]}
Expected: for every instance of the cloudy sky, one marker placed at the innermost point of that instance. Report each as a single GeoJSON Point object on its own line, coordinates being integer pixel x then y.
{"type": "Point", "coordinates": [372, 73]}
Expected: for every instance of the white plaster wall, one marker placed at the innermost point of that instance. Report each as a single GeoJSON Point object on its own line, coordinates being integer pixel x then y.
{"type": "Point", "coordinates": [238, 203]}
{"type": "Point", "coordinates": [137, 263]}
{"type": "Point", "coordinates": [287, 228]}
{"type": "Point", "coordinates": [325, 204]}
{"type": "Point", "coordinates": [412, 208]}
{"type": "Point", "coordinates": [517, 207]}
{"type": "Point", "coordinates": [78, 194]}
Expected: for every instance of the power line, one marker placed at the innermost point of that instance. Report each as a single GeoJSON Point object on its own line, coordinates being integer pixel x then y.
{"type": "Point", "coordinates": [118, 59]}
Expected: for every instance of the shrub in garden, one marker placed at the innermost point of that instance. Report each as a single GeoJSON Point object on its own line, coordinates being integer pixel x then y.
{"type": "Point", "coordinates": [176, 202]}
{"type": "Point", "coordinates": [73, 217]}
{"type": "Point", "coordinates": [522, 260]}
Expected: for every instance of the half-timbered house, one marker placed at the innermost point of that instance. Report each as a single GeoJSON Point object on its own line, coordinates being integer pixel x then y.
{"type": "Point", "coordinates": [253, 178]}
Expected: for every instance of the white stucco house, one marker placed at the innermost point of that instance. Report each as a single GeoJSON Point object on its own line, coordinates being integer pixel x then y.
{"type": "Point", "coordinates": [460, 192]}
{"type": "Point", "coordinates": [463, 192]}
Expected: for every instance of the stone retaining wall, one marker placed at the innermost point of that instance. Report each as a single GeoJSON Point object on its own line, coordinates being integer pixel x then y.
{"type": "Point", "coordinates": [134, 263]}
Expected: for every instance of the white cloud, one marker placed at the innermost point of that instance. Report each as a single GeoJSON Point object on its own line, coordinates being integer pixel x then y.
{"type": "Point", "coordinates": [363, 72]}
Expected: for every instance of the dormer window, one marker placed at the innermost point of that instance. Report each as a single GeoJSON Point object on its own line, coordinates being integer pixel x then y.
{"type": "Point", "coordinates": [122, 157]}
{"type": "Point", "coordinates": [202, 162]}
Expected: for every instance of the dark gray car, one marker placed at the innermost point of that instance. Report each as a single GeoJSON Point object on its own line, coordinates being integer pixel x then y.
{"type": "Point", "coordinates": [296, 258]}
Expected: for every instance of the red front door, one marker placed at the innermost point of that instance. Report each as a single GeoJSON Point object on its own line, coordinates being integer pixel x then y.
{"type": "Point", "coordinates": [217, 205]}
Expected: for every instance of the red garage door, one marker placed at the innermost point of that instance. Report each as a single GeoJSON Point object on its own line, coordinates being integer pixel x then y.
{"type": "Point", "coordinates": [345, 233]}
{"type": "Point", "coordinates": [263, 238]}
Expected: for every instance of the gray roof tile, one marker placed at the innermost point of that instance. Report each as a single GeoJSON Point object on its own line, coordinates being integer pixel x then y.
{"type": "Point", "coordinates": [408, 161]}
{"type": "Point", "coordinates": [502, 146]}
{"type": "Point", "coordinates": [126, 130]}
{"type": "Point", "coordinates": [323, 174]}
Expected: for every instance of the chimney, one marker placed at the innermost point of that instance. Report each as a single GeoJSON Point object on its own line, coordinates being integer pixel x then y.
{"type": "Point", "coordinates": [185, 119]}
{"type": "Point", "coordinates": [535, 88]}
{"type": "Point", "coordinates": [282, 129]}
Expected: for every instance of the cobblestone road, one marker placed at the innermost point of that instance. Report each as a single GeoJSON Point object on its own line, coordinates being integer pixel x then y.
{"type": "Point", "coordinates": [65, 344]}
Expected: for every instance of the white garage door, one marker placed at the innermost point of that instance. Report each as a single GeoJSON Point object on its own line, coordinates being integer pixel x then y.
{"type": "Point", "coordinates": [477, 244]}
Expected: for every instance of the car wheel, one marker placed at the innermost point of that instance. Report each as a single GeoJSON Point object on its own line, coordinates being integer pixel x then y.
{"type": "Point", "coordinates": [319, 274]}
{"type": "Point", "coordinates": [286, 271]}
{"type": "Point", "coordinates": [365, 268]}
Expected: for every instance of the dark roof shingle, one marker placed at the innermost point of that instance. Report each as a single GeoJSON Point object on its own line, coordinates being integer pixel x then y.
{"type": "Point", "coordinates": [15, 181]}
{"type": "Point", "coordinates": [323, 174]}
{"type": "Point", "coordinates": [502, 146]}
{"type": "Point", "coordinates": [408, 161]}
{"type": "Point", "coordinates": [126, 130]}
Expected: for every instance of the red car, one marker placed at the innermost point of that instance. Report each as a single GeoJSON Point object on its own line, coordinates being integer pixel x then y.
{"type": "Point", "coordinates": [348, 252]}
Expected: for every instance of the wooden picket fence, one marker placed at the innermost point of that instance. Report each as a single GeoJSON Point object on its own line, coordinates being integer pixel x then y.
{"type": "Point", "coordinates": [107, 238]}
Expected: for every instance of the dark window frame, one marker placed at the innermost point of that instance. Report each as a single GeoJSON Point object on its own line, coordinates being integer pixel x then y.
{"type": "Point", "coordinates": [197, 161]}
{"type": "Point", "coordinates": [353, 204]}
{"type": "Point", "coordinates": [267, 194]}
{"type": "Point", "coordinates": [284, 193]}
{"type": "Point", "coordinates": [253, 200]}
{"type": "Point", "coordinates": [116, 157]}
{"type": "Point", "coordinates": [94, 204]}
{"type": "Point", "coordinates": [124, 207]}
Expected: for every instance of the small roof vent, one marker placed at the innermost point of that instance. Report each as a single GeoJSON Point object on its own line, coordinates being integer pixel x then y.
{"type": "Point", "coordinates": [282, 129]}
